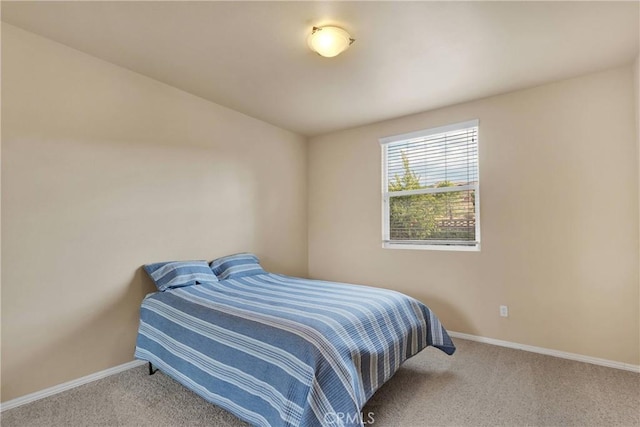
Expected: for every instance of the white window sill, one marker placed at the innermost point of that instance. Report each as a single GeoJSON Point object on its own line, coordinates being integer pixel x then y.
{"type": "Point", "coordinates": [475, 248]}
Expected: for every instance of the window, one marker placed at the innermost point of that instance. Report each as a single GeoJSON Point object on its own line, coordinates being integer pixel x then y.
{"type": "Point", "coordinates": [430, 188]}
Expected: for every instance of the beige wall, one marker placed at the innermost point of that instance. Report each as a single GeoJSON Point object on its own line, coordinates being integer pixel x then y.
{"type": "Point", "coordinates": [636, 80]}
{"type": "Point", "coordinates": [559, 207]}
{"type": "Point", "coordinates": [636, 72]}
{"type": "Point", "coordinates": [104, 170]}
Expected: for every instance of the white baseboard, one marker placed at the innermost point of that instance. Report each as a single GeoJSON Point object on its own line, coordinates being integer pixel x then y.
{"type": "Point", "coordinates": [19, 401]}
{"type": "Point", "coordinates": [116, 369]}
{"type": "Point", "coordinates": [549, 352]}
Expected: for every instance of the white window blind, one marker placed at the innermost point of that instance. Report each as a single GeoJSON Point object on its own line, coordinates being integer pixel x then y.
{"type": "Point", "coordinates": [430, 188]}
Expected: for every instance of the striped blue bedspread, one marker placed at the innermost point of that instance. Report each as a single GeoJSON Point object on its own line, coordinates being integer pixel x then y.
{"type": "Point", "coordinates": [281, 351]}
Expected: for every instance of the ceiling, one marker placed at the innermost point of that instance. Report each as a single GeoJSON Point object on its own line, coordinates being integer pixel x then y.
{"type": "Point", "coordinates": [408, 56]}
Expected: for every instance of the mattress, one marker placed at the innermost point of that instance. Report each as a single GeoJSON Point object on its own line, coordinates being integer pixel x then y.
{"type": "Point", "coordinates": [282, 351]}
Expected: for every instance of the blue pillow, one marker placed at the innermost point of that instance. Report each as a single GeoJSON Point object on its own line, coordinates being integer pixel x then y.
{"type": "Point", "coordinates": [238, 265]}
{"type": "Point", "coordinates": [176, 274]}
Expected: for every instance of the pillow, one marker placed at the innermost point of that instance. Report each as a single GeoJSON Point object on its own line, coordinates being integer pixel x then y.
{"type": "Point", "coordinates": [238, 265]}
{"type": "Point", "coordinates": [176, 274]}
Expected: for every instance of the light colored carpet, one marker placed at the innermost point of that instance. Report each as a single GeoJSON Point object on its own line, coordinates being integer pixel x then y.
{"type": "Point", "coordinates": [481, 385]}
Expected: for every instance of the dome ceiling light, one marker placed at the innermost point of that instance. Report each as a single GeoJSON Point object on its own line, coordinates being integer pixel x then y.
{"type": "Point", "coordinates": [329, 41]}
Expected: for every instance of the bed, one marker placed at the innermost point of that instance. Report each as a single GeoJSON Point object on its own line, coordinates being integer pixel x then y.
{"type": "Point", "coordinates": [276, 350]}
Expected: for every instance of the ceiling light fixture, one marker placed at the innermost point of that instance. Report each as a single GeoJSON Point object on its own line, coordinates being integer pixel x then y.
{"type": "Point", "coordinates": [329, 41]}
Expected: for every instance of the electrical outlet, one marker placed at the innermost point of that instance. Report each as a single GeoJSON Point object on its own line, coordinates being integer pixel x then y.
{"type": "Point", "coordinates": [504, 311]}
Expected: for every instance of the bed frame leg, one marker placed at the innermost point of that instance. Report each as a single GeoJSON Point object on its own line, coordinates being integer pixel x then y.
{"type": "Point", "coordinates": [151, 370]}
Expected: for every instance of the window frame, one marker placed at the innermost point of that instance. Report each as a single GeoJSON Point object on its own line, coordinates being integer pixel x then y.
{"type": "Point", "coordinates": [387, 243]}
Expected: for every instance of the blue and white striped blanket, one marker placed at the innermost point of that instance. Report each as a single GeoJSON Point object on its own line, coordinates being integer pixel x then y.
{"type": "Point", "coordinates": [281, 351]}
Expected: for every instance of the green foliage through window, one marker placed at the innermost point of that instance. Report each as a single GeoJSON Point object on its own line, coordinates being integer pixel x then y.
{"type": "Point", "coordinates": [446, 215]}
